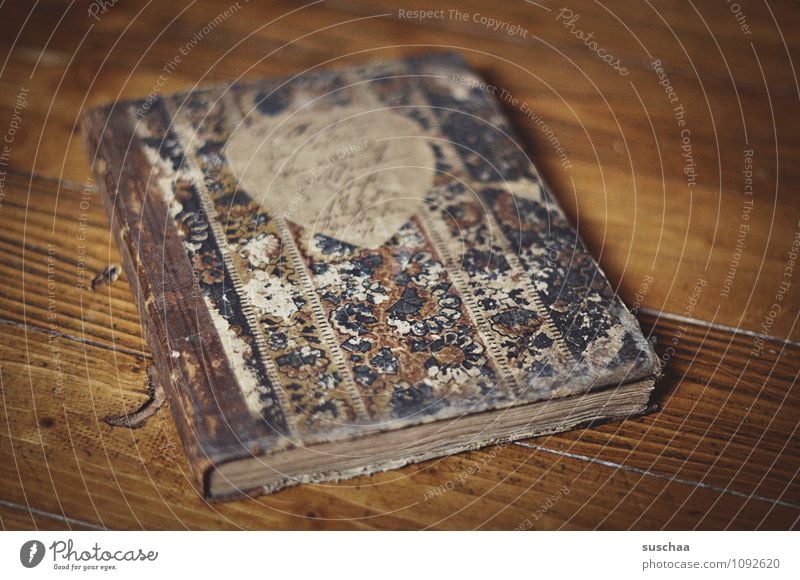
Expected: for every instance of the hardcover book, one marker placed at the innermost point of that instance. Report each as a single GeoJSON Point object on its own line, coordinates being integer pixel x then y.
{"type": "Point", "coordinates": [352, 269]}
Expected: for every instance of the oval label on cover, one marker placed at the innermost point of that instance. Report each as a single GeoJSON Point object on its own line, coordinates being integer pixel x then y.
{"type": "Point", "coordinates": [352, 173]}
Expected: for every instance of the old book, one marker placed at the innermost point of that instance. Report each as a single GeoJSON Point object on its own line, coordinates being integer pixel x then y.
{"type": "Point", "coordinates": [353, 269]}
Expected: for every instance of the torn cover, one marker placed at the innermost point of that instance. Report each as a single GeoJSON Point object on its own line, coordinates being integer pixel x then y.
{"type": "Point", "coordinates": [346, 251]}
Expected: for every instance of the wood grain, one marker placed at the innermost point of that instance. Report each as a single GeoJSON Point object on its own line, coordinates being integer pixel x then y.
{"type": "Point", "coordinates": [725, 419]}
{"type": "Point", "coordinates": [625, 189]}
{"type": "Point", "coordinates": [73, 465]}
{"type": "Point", "coordinates": [722, 451]}
{"type": "Point", "coordinates": [16, 517]}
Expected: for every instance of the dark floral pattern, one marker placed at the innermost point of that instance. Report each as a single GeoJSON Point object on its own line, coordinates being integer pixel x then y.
{"type": "Point", "coordinates": [243, 221]}
{"type": "Point", "coordinates": [303, 363]}
{"type": "Point", "coordinates": [456, 357]}
{"type": "Point", "coordinates": [208, 267]}
{"type": "Point", "coordinates": [399, 318]}
{"type": "Point", "coordinates": [353, 318]}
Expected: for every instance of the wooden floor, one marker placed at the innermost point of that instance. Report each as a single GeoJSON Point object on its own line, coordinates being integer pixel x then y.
{"type": "Point", "coordinates": [656, 187]}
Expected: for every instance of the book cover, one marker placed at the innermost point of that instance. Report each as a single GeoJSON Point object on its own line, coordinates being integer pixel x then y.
{"type": "Point", "coordinates": [351, 269]}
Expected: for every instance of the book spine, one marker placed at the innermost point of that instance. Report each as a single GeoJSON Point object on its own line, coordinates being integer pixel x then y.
{"type": "Point", "coordinates": [100, 143]}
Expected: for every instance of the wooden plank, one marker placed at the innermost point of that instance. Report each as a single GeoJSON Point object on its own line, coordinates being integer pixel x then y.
{"type": "Point", "coordinates": [17, 517]}
{"type": "Point", "coordinates": [70, 463]}
{"type": "Point", "coordinates": [690, 36]}
{"type": "Point", "coordinates": [561, 91]}
{"type": "Point", "coordinates": [625, 188]}
{"type": "Point", "coordinates": [726, 419]}
{"type": "Point", "coordinates": [53, 242]}
{"type": "Point", "coordinates": [721, 452]}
